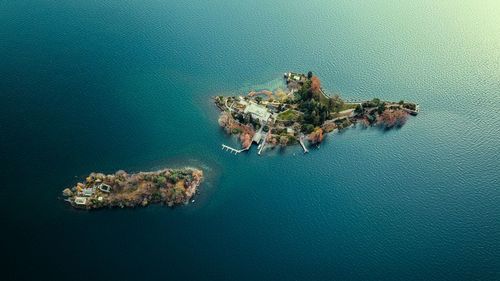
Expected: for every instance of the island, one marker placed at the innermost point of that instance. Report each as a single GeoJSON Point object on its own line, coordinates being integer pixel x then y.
{"type": "Point", "coordinates": [300, 113]}
{"type": "Point", "coordinates": [167, 186]}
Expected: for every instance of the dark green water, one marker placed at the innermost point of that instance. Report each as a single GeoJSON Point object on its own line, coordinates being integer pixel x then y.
{"type": "Point", "coordinates": [107, 85]}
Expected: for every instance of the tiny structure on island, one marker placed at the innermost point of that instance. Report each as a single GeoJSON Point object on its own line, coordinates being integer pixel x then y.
{"type": "Point", "coordinates": [168, 186]}
{"type": "Point", "coordinates": [302, 113]}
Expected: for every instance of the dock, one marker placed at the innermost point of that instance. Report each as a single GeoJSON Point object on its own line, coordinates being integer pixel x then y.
{"type": "Point", "coordinates": [231, 150]}
{"type": "Point", "coordinates": [301, 140]}
{"type": "Point", "coordinates": [263, 144]}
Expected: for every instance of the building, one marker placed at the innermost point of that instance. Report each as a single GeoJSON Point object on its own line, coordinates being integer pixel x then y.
{"type": "Point", "coordinates": [104, 187]}
{"type": "Point", "coordinates": [88, 191]}
{"type": "Point", "coordinates": [258, 112]}
{"type": "Point", "coordinates": [297, 77]}
{"type": "Point", "coordinates": [80, 201]}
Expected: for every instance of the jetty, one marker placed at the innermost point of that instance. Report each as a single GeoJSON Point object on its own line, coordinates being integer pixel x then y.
{"type": "Point", "coordinates": [231, 150]}
{"type": "Point", "coordinates": [301, 140]}
{"type": "Point", "coordinates": [263, 144]}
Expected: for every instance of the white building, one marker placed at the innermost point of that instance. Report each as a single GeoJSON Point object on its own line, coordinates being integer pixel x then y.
{"type": "Point", "coordinates": [80, 200]}
{"type": "Point", "coordinates": [258, 112]}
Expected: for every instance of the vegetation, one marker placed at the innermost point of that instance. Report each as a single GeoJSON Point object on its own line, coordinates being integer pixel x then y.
{"type": "Point", "coordinates": [410, 106]}
{"type": "Point", "coordinates": [316, 136]}
{"type": "Point", "coordinates": [305, 109]}
{"type": "Point", "coordinates": [373, 103]}
{"type": "Point", "coordinates": [288, 115]}
{"type": "Point", "coordinates": [392, 118]}
{"type": "Point", "coordinates": [168, 186]}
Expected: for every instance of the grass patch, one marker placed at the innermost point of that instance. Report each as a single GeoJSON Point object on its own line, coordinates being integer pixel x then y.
{"type": "Point", "coordinates": [288, 115]}
{"type": "Point", "coordinates": [347, 106]}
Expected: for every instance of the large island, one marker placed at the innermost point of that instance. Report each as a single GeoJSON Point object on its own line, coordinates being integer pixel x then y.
{"type": "Point", "coordinates": [301, 113]}
{"type": "Point", "coordinates": [167, 186]}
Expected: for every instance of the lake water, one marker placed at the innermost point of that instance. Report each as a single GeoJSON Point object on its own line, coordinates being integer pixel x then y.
{"type": "Point", "coordinates": [107, 85]}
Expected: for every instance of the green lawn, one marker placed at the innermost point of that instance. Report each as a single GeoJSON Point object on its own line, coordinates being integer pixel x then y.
{"type": "Point", "coordinates": [288, 115]}
{"type": "Point", "coordinates": [347, 106]}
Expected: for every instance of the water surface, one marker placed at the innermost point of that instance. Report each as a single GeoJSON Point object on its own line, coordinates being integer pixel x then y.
{"type": "Point", "coordinates": [107, 85]}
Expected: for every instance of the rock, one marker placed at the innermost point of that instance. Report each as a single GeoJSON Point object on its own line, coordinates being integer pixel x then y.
{"type": "Point", "coordinates": [67, 192]}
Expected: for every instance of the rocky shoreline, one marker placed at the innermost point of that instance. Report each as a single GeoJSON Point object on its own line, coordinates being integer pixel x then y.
{"type": "Point", "coordinates": [167, 186]}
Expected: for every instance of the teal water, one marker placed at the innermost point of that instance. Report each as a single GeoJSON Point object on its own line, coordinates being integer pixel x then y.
{"type": "Point", "coordinates": [107, 85]}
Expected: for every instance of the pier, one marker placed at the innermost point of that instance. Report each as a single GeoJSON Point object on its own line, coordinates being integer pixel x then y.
{"type": "Point", "coordinates": [231, 150]}
{"type": "Point", "coordinates": [301, 140]}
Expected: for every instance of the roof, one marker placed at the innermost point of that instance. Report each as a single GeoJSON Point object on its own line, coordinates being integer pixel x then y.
{"type": "Point", "coordinates": [257, 111]}
{"type": "Point", "coordinates": [80, 200]}
{"type": "Point", "coordinates": [104, 187]}
{"type": "Point", "coordinates": [87, 191]}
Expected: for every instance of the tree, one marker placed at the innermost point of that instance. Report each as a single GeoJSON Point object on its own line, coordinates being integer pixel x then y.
{"type": "Point", "coordinates": [381, 108]}
{"type": "Point", "coordinates": [307, 128]}
{"type": "Point", "coordinates": [283, 140]}
{"type": "Point", "coordinates": [161, 180]}
{"type": "Point", "coordinates": [315, 85]}
{"type": "Point", "coordinates": [358, 109]}
{"type": "Point", "coordinates": [316, 136]}
{"type": "Point", "coordinates": [391, 118]}
{"type": "Point", "coordinates": [309, 75]}
{"type": "Point", "coordinates": [258, 99]}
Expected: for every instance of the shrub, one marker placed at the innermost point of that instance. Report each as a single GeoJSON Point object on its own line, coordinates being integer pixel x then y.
{"type": "Point", "coordinates": [307, 128]}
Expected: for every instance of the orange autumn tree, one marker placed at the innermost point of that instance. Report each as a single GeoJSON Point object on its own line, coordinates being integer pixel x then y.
{"type": "Point", "coordinates": [316, 136]}
{"type": "Point", "coordinates": [392, 118]}
{"type": "Point", "coordinates": [246, 140]}
{"type": "Point", "coordinates": [315, 84]}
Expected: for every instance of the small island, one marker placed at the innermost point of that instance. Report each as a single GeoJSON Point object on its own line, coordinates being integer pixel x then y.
{"type": "Point", "coordinates": [301, 112]}
{"type": "Point", "coordinates": [167, 186]}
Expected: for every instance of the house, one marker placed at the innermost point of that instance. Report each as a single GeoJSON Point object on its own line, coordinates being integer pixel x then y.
{"type": "Point", "coordinates": [258, 112]}
{"type": "Point", "coordinates": [104, 187]}
{"type": "Point", "coordinates": [80, 201]}
{"type": "Point", "coordinates": [297, 77]}
{"type": "Point", "coordinates": [88, 191]}
{"type": "Point", "coordinates": [290, 131]}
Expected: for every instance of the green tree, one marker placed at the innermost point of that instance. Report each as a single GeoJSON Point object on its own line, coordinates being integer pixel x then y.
{"type": "Point", "coordinates": [307, 128]}
{"type": "Point", "coordinates": [161, 180]}
{"type": "Point", "coordinates": [358, 109]}
{"type": "Point", "coordinates": [381, 108]}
